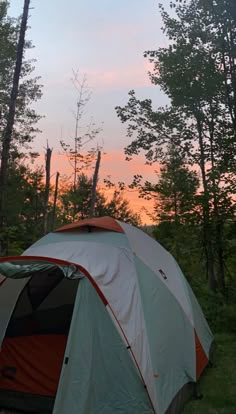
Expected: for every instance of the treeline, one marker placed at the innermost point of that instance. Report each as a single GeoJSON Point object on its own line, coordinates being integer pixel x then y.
{"type": "Point", "coordinates": [193, 140]}
{"type": "Point", "coordinates": [26, 206]}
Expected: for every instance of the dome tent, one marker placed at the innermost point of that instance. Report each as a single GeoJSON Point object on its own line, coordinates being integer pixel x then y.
{"type": "Point", "coordinates": [97, 317]}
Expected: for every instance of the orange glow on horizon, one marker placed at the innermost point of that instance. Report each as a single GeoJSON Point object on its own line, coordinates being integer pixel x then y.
{"type": "Point", "coordinates": [116, 169]}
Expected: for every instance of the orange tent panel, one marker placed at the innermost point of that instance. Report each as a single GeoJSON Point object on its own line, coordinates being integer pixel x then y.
{"type": "Point", "coordinates": [103, 223]}
{"type": "Point", "coordinates": [25, 362]}
{"type": "Point", "coordinates": [201, 358]}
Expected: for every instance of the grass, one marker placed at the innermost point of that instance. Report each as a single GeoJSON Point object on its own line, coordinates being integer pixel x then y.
{"type": "Point", "coordinates": [218, 384]}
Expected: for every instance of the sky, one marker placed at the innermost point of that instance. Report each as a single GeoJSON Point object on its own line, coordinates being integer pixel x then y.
{"type": "Point", "coordinates": [104, 40]}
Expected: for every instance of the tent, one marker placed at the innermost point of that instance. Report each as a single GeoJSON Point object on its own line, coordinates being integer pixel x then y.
{"type": "Point", "coordinates": [97, 318]}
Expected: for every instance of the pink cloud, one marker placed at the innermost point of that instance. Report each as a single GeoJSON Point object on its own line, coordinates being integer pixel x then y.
{"type": "Point", "coordinates": [131, 77]}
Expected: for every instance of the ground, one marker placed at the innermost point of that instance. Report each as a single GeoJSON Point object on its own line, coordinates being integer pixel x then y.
{"type": "Point", "coordinates": [218, 384]}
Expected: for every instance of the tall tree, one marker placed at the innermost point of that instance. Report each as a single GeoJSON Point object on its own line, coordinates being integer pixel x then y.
{"type": "Point", "coordinates": [192, 71]}
{"type": "Point", "coordinates": [7, 136]}
{"type": "Point", "coordinates": [25, 119]}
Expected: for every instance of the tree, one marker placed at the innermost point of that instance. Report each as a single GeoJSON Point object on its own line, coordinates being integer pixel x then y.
{"type": "Point", "coordinates": [54, 207]}
{"type": "Point", "coordinates": [119, 208]}
{"type": "Point", "coordinates": [76, 202]}
{"type": "Point", "coordinates": [25, 217]}
{"type": "Point", "coordinates": [176, 208]}
{"type": "Point", "coordinates": [7, 136]}
{"type": "Point", "coordinates": [79, 159]}
{"type": "Point", "coordinates": [48, 156]}
{"type": "Point", "coordinates": [73, 149]}
{"type": "Point", "coordinates": [75, 205]}
{"type": "Point", "coordinates": [27, 91]}
{"type": "Point", "coordinates": [95, 181]}
{"type": "Point", "coordinates": [175, 191]}
{"type": "Point", "coordinates": [200, 119]}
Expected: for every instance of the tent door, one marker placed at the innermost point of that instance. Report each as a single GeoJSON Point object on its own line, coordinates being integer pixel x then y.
{"type": "Point", "coordinates": [35, 341]}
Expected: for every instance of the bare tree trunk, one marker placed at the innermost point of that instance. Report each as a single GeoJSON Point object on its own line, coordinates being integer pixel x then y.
{"type": "Point", "coordinates": [76, 145]}
{"type": "Point", "coordinates": [55, 201]}
{"type": "Point", "coordinates": [94, 188]}
{"type": "Point", "coordinates": [7, 136]}
{"type": "Point", "coordinates": [47, 188]}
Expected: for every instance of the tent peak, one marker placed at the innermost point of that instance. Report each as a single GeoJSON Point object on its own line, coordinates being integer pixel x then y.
{"type": "Point", "coordinates": [98, 223]}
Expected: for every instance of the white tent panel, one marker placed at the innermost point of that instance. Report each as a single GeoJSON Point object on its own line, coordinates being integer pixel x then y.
{"type": "Point", "coordinates": [161, 262]}
{"type": "Point", "coordinates": [117, 280]}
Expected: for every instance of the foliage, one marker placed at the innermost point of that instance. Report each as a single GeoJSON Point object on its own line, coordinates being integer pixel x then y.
{"type": "Point", "coordinates": [25, 217]}
{"type": "Point", "coordinates": [185, 245]}
{"type": "Point", "coordinates": [197, 71]}
{"type": "Point", "coordinates": [75, 205]}
{"type": "Point", "coordinates": [119, 208]}
{"type": "Point", "coordinates": [175, 191]}
{"type": "Point", "coordinates": [24, 126]}
{"type": "Point", "coordinates": [29, 88]}
{"type": "Point", "coordinates": [76, 202]}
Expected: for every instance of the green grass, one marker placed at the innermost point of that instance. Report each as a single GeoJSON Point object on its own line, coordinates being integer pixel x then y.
{"type": "Point", "coordinates": [218, 384]}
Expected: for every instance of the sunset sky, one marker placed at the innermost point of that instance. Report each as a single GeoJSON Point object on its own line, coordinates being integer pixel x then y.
{"type": "Point", "coordinates": [105, 40]}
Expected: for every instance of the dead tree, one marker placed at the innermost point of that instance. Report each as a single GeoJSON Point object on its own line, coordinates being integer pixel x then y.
{"type": "Point", "coordinates": [48, 157]}
{"type": "Point", "coordinates": [94, 187]}
{"type": "Point", "coordinates": [55, 202]}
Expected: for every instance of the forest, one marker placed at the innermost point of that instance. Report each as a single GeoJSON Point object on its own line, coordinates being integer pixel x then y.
{"type": "Point", "coordinates": [190, 143]}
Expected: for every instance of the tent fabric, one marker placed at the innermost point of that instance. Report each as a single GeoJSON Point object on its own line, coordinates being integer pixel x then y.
{"type": "Point", "coordinates": [201, 358]}
{"type": "Point", "coordinates": [104, 237]}
{"type": "Point", "coordinates": [201, 326]}
{"type": "Point", "coordinates": [25, 361]}
{"type": "Point", "coordinates": [2, 279]}
{"type": "Point", "coordinates": [13, 402]}
{"type": "Point", "coordinates": [111, 278]}
{"type": "Point", "coordinates": [160, 261]}
{"type": "Point", "coordinates": [105, 380]}
{"type": "Point", "coordinates": [9, 293]}
{"type": "Point", "coordinates": [105, 223]}
{"type": "Point", "coordinates": [143, 304]}
{"type": "Point", "coordinates": [17, 269]}
{"type": "Point", "coordinates": [172, 353]}
{"type": "Point", "coordinates": [21, 270]}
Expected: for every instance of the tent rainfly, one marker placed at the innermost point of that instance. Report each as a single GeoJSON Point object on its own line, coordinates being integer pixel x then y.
{"type": "Point", "coordinates": [97, 318]}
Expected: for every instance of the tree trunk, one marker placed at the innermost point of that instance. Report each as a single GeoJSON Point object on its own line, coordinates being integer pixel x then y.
{"type": "Point", "coordinates": [55, 202]}
{"type": "Point", "coordinates": [47, 188]}
{"type": "Point", "coordinates": [94, 188]}
{"type": "Point", "coordinates": [7, 136]}
{"type": "Point", "coordinates": [218, 224]}
{"type": "Point", "coordinates": [229, 69]}
{"type": "Point", "coordinates": [207, 237]}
